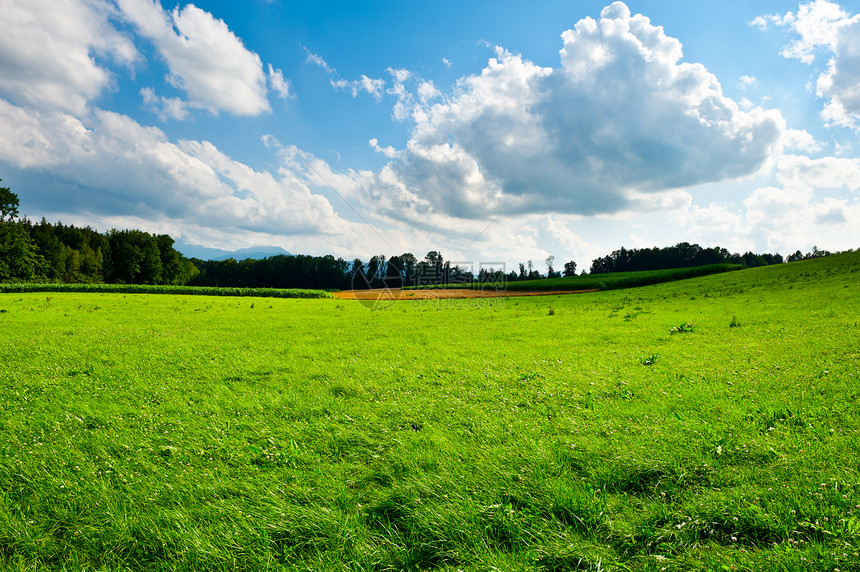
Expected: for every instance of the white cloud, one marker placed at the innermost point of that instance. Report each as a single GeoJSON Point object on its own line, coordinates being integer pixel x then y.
{"type": "Point", "coordinates": [277, 83]}
{"type": "Point", "coordinates": [842, 148]}
{"type": "Point", "coordinates": [317, 60]}
{"type": "Point", "coordinates": [165, 107]}
{"type": "Point", "coordinates": [841, 82]}
{"type": "Point", "coordinates": [621, 124]}
{"type": "Point", "coordinates": [427, 91]}
{"type": "Point", "coordinates": [761, 22]}
{"type": "Point", "coordinates": [374, 87]}
{"type": "Point", "coordinates": [49, 52]}
{"type": "Point", "coordinates": [802, 172]}
{"type": "Point", "coordinates": [716, 222]}
{"type": "Point", "coordinates": [573, 246]}
{"type": "Point", "coordinates": [816, 24]}
{"type": "Point", "coordinates": [824, 25]}
{"type": "Point", "coordinates": [121, 168]}
{"type": "Point", "coordinates": [746, 81]}
{"type": "Point", "coordinates": [403, 108]}
{"type": "Point", "coordinates": [277, 205]}
{"type": "Point", "coordinates": [206, 60]}
{"type": "Point", "coordinates": [388, 151]}
{"type": "Point", "coordinates": [815, 198]}
{"type": "Point", "coordinates": [801, 140]}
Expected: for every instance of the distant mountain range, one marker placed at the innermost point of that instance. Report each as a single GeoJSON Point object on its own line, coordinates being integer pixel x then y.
{"type": "Point", "coordinates": [206, 253]}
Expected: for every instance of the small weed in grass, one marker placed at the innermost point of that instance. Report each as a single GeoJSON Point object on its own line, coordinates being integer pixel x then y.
{"type": "Point", "coordinates": [734, 323]}
{"type": "Point", "coordinates": [649, 359]}
{"type": "Point", "coordinates": [682, 329]}
{"type": "Point", "coordinates": [551, 311]}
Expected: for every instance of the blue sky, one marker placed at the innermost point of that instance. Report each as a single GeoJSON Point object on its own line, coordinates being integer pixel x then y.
{"type": "Point", "coordinates": [490, 131]}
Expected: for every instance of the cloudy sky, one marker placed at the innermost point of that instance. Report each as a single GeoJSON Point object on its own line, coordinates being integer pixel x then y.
{"type": "Point", "coordinates": [490, 131]}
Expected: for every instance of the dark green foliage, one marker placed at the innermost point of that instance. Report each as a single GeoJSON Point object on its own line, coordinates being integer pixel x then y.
{"type": "Point", "coordinates": [18, 258]}
{"type": "Point", "coordinates": [46, 252]}
{"type": "Point", "coordinates": [9, 203]}
{"type": "Point", "coordinates": [613, 281]}
{"type": "Point", "coordinates": [60, 253]}
{"type": "Point", "coordinates": [815, 253]}
{"type": "Point", "coordinates": [69, 254]}
{"type": "Point", "coordinates": [281, 271]}
{"type": "Point", "coordinates": [682, 255]}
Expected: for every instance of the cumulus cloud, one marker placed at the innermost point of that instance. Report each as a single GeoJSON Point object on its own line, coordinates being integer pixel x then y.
{"type": "Point", "coordinates": [427, 91]}
{"type": "Point", "coordinates": [403, 108]}
{"type": "Point", "coordinates": [206, 60]}
{"type": "Point", "coordinates": [802, 172]}
{"type": "Point", "coordinates": [50, 52]}
{"type": "Point", "coordinates": [622, 123]}
{"type": "Point", "coordinates": [800, 140]}
{"type": "Point", "coordinates": [815, 25]}
{"type": "Point", "coordinates": [841, 83]}
{"type": "Point", "coordinates": [165, 107]}
{"type": "Point", "coordinates": [120, 167]}
{"type": "Point", "coordinates": [813, 198]}
{"type": "Point", "coordinates": [822, 25]}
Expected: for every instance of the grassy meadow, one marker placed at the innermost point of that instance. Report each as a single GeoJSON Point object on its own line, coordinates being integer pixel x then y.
{"type": "Point", "coordinates": [27, 288]}
{"type": "Point", "coordinates": [704, 424]}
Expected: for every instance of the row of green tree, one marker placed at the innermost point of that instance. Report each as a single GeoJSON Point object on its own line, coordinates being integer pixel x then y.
{"type": "Point", "coordinates": [328, 272]}
{"type": "Point", "coordinates": [682, 255]}
{"type": "Point", "coordinates": [59, 253]}
{"type": "Point", "coordinates": [55, 252]}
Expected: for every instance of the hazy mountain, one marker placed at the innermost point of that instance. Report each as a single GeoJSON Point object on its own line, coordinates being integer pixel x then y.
{"type": "Point", "coordinates": [206, 253]}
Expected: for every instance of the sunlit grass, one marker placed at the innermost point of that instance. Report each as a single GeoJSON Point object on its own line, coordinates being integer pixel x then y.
{"type": "Point", "coordinates": [176, 432]}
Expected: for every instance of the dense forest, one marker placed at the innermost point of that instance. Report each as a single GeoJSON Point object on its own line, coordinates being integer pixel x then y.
{"type": "Point", "coordinates": [681, 255]}
{"type": "Point", "coordinates": [53, 252]}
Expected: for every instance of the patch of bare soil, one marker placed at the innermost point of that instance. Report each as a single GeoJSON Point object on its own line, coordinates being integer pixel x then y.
{"type": "Point", "coordinates": [398, 294]}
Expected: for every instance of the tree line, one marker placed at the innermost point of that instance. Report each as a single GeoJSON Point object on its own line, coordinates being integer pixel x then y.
{"type": "Point", "coordinates": [682, 255]}
{"type": "Point", "coordinates": [53, 252]}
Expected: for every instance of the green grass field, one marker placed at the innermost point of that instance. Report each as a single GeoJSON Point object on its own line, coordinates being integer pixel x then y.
{"type": "Point", "coordinates": [705, 424]}
{"type": "Point", "coordinates": [26, 288]}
